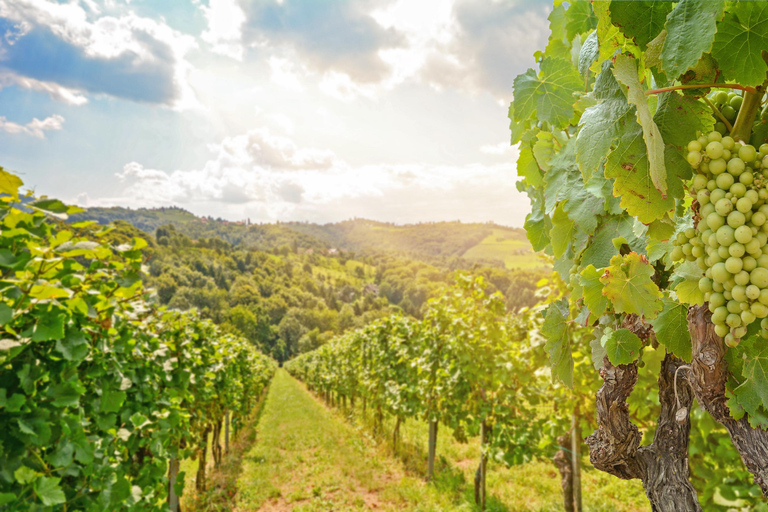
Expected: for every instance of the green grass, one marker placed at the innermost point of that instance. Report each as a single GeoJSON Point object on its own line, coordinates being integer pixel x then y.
{"type": "Point", "coordinates": [307, 459]}
{"type": "Point", "coordinates": [503, 245]}
{"type": "Point", "coordinates": [303, 456]}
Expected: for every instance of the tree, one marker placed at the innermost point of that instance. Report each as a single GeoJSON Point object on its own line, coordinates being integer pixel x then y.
{"type": "Point", "coordinates": [621, 151]}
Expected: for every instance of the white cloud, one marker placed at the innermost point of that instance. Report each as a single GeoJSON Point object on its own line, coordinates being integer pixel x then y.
{"type": "Point", "coordinates": [35, 128]}
{"type": "Point", "coordinates": [269, 177]}
{"type": "Point", "coordinates": [129, 56]}
{"type": "Point", "coordinates": [284, 73]}
{"type": "Point", "coordinates": [496, 149]}
{"type": "Point", "coordinates": [54, 90]}
{"type": "Point", "coordinates": [342, 87]}
{"type": "Point", "coordinates": [225, 27]}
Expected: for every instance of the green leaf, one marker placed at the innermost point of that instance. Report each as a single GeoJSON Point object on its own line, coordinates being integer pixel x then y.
{"type": "Point", "coordinates": [629, 287]}
{"type": "Point", "coordinates": [527, 168]}
{"type": "Point", "coordinates": [583, 207]}
{"type": "Point", "coordinates": [628, 164]}
{"type": "Point", "coordinates": [625, 70]}
{"type": "Point", "coordinates": [516, 128]}
{"type": "Point", "coordinates": [601, 124]}
{"type": "Point", "coordinates": [49, 326]}
{"type": "Point", "coordinates": [680, 118]}
{"type": "Point", "coordinates": [640, 20]}
{"type": "Point", "coordinates": [562, 231]}
{"type": "Point", "coordinates": [691, 28]}
{"type": "Point", "coordinates": [671, 327]}
{"type": "Point", "coordinates": [139, 420]}
{"type": "Point", "coordinates": [622, 346]}
{"type": "Point", "coordinates": [43, 292]}
{"type": "Point", "coordinates": [25, 475]}
{"type": "Point", "coordinates": [598, 350]}
{"type": "Point", "coordinates": [49, 492]}
{"type": "Point", "coordinates": [66, 394]}
{"type": "Point", "coordinates": [7, 497]}
{"type": "Point", "coordinates": [6, 313]}
{"type": "Point", "coordinates": [600, 249]}
{"type": "Point", "coordinates": [753, 391]}
{"type": "Point", "coordinates": [593, 290]}
{"type": "Point", "coordinates": [741, 36]}
{"type": "Point", "coordinates": [50, 205]}
{"type": "Point", "coordinates": [555, 330]}
{"type": "Point", "coordinates": [9, 183]}
{"type": "Point", "coordinates": [588, 53]}
{"type": "Point", "coordinates": [579, 18]}
{"type": "Point", "coordinates": [685, 281]}
{"type": "Point", "coordinates": [548, 95]}
{"type": "Point", "coordinates": [74, 346]}
{"type": "Point", "coordinates": [112, 401]}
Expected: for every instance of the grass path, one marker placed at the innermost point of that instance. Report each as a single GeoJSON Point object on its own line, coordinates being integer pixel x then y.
{"type": "Point", "coordinates": [308, 459]}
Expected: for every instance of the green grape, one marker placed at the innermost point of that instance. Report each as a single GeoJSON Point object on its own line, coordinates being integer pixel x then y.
{"type": "Point", "coordinates": [726, 155]}
{"type": "Point", "coordinates": [739, 293]}
{"type": "Point", "coordinates": [746, 178]}
{"type": "Point", "coordinates": [727, 142]}
{"type": "Point", "coordinates": [721, 128]}
{"type": "Point", "coordinates": [753, 292]}
{"type": "Point", "coordinates": [749, 263]}
{"type": "Point", "coordinates": [734, 265]}
{"type": "Point", "coordinates": [705, 284]}
{"type": "Point", "coordinates": [714, 150]}
{"type": "Point", "coordinates": [724, 181]}
{"type": "Point", "coordinates": [689, 233]}
{"type": "Point", "coordinates": [724, 206]}
{"type": "Point", "coordinates": [733, 307]}
{"type": "Point", "coordinates": [716, 167]}
{"type": "Point", "coordinates": [677, 254]}
{"type": "Point", "coordinates": [715, 298]}
{"type": "Point", "coordinates": [763, 149]}
{"type": "Point", "coordinates": [714, 136]}
{"type": "Point", "coordinates": [697, 251]}
{"type": "Point", "coordinates": [725, 234]}
{"type": "Point", "coordinates": [738, 190]}
{"type": "Point", "coordinates": [723, 252]}
{"type": "Point", "coordinates": [694, 145]}
{"type": "Point", "coordinates": [735, 166]}
{"type": "Point", "coordinates": [742, 278]}
{"type": "Point", "coordinates": [729, 113]}
{"type": "Point", "coordinates": [694, 158]}
{"type": "Point", "coordinates": [736, 102]}
{"type": "Point", "coordinates": [687, 248]}
{"type": "Point", "coordinates": [731, 341]}
{"type": "Point", "coordinates": [743, 234]}
{"type": "Point", "coordinates": [727, 295]}
{"type": "Point", "coordinates": [717, 287]}
{"type": "Point", "coordinates": [715, 222]}
{"type": "Point", "coordinates": [747, 317]}
{"type": "Point", "coordinates": [733, 320]}
{"type": "Point", "coordinates": [735, 219]}
{"type": "Point", "coordinates": [700, 182]}
{"type": "Point", "coordinates": [759, 277]}
{"type": "Point", "coordinates": [719, 314]}
{"type": "Point", "coordinates": [736, 250]}
{"type": "Point", "coordinates": [763, 297]}
{"type": "Point", "coordinates": [721, 97]}
{"type": "Point", "coordinates": [722, 330]}
{"type": "Point", "coordinates": [743, 205]}
{"type": "Point", "coordinates": [747, 153]}
{"type": "Point", "coordinates": [753, 246]}
{"type": "Point", "coordinates": [720, 274]}
{"type": "Point", "coordinates": [759, 310]}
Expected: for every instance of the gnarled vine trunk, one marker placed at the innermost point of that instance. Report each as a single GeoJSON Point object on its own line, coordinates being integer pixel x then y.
{"type": "Point", "coordinates": [709, 373]}
{"type": "Point", "coordinates": [615, 445]}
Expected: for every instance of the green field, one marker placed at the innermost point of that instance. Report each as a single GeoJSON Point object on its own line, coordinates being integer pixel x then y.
{"type": "Point", "coordinates": [510, 247]}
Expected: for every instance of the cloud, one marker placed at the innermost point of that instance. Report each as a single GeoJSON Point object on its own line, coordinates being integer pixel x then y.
{"type": "Point", "coordinates": [127, 57]}
{"type": "Point", "coordinates": [336, 36]}
{"type": "Point", "coordinates": [225, 22]}
{"type": "Point", "coordinates": [55, 91]}
{"type": "Point", "coordinates": [493, 42]}
{"type": "Point", "coordinates": [269, 177]}
{"type": "Point", "coordinates": [283, 72]}
{"type": "Point", "coordinates": [35, 128]}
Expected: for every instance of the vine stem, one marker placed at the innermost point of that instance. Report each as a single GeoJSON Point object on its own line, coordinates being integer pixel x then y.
{"type": "Point", "coordinates": [719, 114]}
{"type": "Point", "coordinates": [677, 399]}
{"type": "Point", "coordinates": [746, 88]}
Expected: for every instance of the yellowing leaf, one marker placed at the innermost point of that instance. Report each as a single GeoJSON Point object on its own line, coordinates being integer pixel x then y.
{"type": "Point", "coordinates": [629, 288]}
{"type": "Point", "coordinates": [625, 71]}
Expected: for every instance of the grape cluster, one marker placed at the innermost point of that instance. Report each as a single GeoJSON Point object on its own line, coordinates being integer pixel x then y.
{"type": "Point", "coordinates": [728, 103]}
{"type": "Point", "coordinates": [730, 241]}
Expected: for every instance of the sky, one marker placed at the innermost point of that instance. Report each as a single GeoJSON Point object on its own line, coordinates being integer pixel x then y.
{"type": "Point", "coordinates": [305, 110]}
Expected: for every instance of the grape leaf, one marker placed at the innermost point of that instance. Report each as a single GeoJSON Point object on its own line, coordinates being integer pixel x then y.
{"type": "Point", "coordinates": [629, 288]}
{"type": "Point", "coordinates": [550, 95]}
{"type": "Point", "coordinates": [685, 281]}
{"type": "Point", "coordinates": [555, 330]}
{"type": "Point", "coordinates": [753, 392]}
{"type": "Point", "coordinates": [527, 168]}
{"type": "Point", "coordinates": [593, 290]}
{"type": "Point", "coordinates": [588, 53]}
{"type": "Point", "coordinates": [537, 224]}
{"type": "Point", "coordinates": [671, 327]}
{"type": "Point", "coordinates": [601, 124]}
{"type": "Point", "coordinates": [598, 350]}
{"type": "Point", "coordinates": [640, 20]}
{"type": "Point", "coordinates": [583, 207]}
{"type": "Point", "coordinates": [112, 401]}
{"type": "Point", "coordinates": [680, 118]}
{"type": "Point", "coordinates": [622, 346]}
{"type": "Point", "coordinates": [691, 28]}
{"type": "Point", "coordinates": [625, 71]}
{"type": "Point", "coordinates": [628, 164]}
{"type": "Point", "coordinates": [516, 128]}
{"type": "Point", "coordinates": [600, 249]}
{"type": "Point", "coordinates": [740, 38]}
{"type": "Point", "coordinates": [562, 231]}
{"type": "Point", "coordinates": [579, 18]}
{"type": "Point", "coordinates": [543, 149]}
{"type": "Point", "coordinates": [49, 492]}
{"type": "Point", "coordinates": [49, 326]}
{"type": "Point", "coordinates": [9, 183]}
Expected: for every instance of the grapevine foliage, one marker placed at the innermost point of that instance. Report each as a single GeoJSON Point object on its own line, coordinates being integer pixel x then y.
{"type": "Point", "coordinates": [99, 390]}
{"type": "Point", "coordinates": [605, 126]}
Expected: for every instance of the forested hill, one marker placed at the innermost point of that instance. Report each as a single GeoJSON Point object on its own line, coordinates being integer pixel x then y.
{"type": "Point", "coordinates": [486, 243]}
